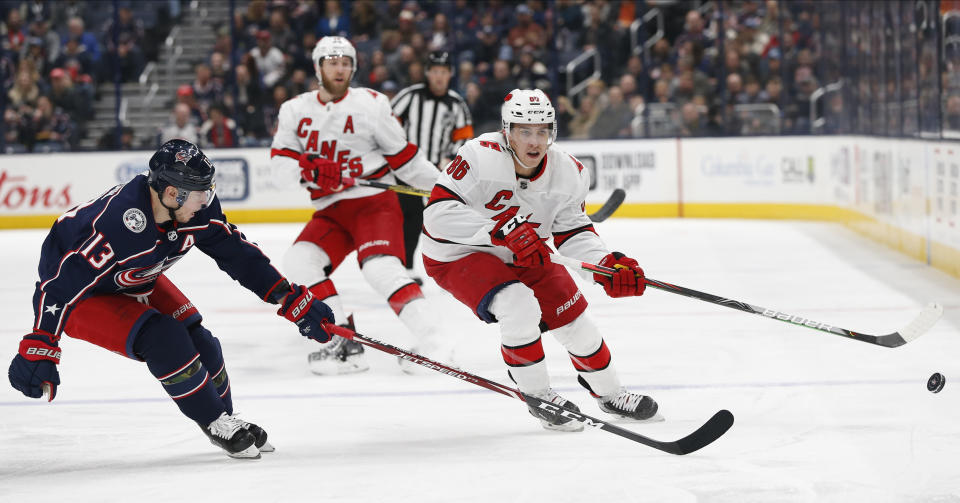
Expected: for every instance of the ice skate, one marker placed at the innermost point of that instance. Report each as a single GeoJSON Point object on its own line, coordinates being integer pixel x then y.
{"type": "Point", "coordinates": [630, 406]}
{"type": "Point", "coordinates": [261, 443]}
{"type": "Point", "coordinates": [553, 421]}
{"type": "Point", "coordinates": [433, 348]}
{"type": "Point", "coordinates": [339, 356]}
{"type": "Point", "coordinates": [228, 433]}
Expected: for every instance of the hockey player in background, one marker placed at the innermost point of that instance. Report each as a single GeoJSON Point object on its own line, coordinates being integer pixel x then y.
{"type": "Point", "coordinates": [332, 136]}
{"type": "Point", "coordinates": [102, 280]}
{"type": "Point", "coordinates": [495, 204]}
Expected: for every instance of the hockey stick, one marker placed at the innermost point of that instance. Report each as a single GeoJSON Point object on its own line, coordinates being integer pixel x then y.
{"type": "Point", "coordinates": [610, 206]}
{"type": "Point", "coordinates": [926, 319]}
{"type": "Point", "coordinates": [715, 427]}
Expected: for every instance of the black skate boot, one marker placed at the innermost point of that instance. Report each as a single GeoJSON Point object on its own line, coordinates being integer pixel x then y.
{"type": "Point", "coordinates": [626, 404]}
{"type": "Point", "coordinates": [261, 435]}
{"type": "Point", "coordinates": [339, 356]}
{"type": "Point", "coordinates": [228, 433]}
{"type": "Point", "coordinates": [551, 420]}
{"type": "Point", "coordinates": [630, 406]}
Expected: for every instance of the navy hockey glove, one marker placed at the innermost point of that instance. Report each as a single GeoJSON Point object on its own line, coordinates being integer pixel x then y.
{"type": "Point", "coordinates": [35, 365]}
{"type": "Point", "coordinates": [325, 173]}
{"type": "Point", "coordinates": [520, 236]}
{"type": "Point", "coordinates": [628, 280]}
{"type": "Point", "coordinates": [300, 307]}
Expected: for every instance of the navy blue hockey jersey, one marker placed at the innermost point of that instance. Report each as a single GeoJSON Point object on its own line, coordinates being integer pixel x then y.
{"type": "Point", "coordinates": [112, 244]}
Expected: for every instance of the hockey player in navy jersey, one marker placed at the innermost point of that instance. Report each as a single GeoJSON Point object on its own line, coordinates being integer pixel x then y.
{"type": "Point", "coordinates": [101, 280]}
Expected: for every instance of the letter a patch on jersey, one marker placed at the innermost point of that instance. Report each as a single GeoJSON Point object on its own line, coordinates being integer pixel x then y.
{"type": "Point", "coordinates": [349, 124]}
{"type": "Point", "coordinates": [187, 242]}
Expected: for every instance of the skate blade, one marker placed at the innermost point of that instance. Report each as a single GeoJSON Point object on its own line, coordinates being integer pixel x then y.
{"type": "Point", "coordinates": [656, 418]}
{"type": "Point", "coordinates": [249, 453]}
{"type": "Point", "coordinates": [572, 426]}
{"type": "Point", "coordinates": [334, 366]}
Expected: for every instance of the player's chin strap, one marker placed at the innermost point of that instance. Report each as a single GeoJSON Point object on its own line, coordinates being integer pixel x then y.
{"type": "Point", "coordinates": [181, 197]}
{"type": "Point", "coordinates": [506, 141]}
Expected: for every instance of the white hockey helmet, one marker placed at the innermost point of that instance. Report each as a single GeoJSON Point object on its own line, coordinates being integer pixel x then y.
{"type": "Point", "coordinates": [528, 106]}
{"type": "Point", "coordinates": [333, 47]}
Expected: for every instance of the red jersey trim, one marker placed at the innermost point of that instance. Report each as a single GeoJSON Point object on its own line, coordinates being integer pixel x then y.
{"type": "Point", "coordinates": [561, 237]}
{"type": "Point", "coordinates": [338, 100]}
{"type": "Point", "coordinates": [285, 152]}
{"type": "Point", "coordinates": [402, 157]}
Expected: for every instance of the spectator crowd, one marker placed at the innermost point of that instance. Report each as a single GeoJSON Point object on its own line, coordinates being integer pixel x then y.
{"type": "Point", "coordinates": [729, 67]}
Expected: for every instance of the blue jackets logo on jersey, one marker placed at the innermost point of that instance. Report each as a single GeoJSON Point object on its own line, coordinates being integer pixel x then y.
{"type": "Point", "coordinates": [135, 220]}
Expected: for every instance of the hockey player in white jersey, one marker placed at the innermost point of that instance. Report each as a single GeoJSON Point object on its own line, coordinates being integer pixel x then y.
{"type": "Point", "coordinates": [485, 225]}
{"type": "Point", "coordinates": [332, 136]}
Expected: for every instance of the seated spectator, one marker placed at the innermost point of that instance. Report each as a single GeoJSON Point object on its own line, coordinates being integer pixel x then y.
{"type": "Point", "coordinates": [440, 36]}
{"type": "Point", "coordinates": [24, 91]}
{"type": "Point", "coordinates": [65, 96]}
{"type": "Point", "coordinates": [333, 21]}
{"type": "Point", "coordinates": [52, 129]}
{"type": "Point", "coordinates": [584, 118]}
{"type": "Point", "coordinates": [281, 34]}
{"type": "Point", "coordinates": [616, 117]}
{"type": "Point", "coordinates": [127, 61]}
{"type": "Point", "coordinates": [691, 120]}
{"type": "Point", "coordinates": [180, 126]}
{"type": "Point", "coordinates": [390, 89]}
{"type": "Point", "coordinates": [206, 90]}
{"type": "Point", "coordinates": [74, 54]}
{"type": "Point", "coordinates": [185, 96]}
{"type": "Point", "coordinates": [13, 36]}
{"type": "Point", "coordinates": [526, 32]}
{"type": "Point", "coordinates": [77, 30]}
{"type": "Point", "coordinates": [219, 130]}
{"type": "Point", "coordinates": [530, 73]}
{"type": "Point", "coordinates": [269, 59]}
{"type": "Point", "coordinates": [127, 26]}
{"type": "Point", "coordinates": [108, 141]}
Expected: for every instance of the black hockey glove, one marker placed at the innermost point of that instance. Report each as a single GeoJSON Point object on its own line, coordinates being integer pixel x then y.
{"type": "Point", "coordinates": [309, 314]}
{"type": "Point", "coordinates": [35, 366]}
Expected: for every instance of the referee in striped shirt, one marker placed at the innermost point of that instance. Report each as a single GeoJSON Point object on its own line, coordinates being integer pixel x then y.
{"type": "Point", "coordinates": [437, 120]}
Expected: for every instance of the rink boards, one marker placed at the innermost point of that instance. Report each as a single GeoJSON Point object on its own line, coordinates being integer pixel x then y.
{"type": "Point", "coordinates": [901, 192]}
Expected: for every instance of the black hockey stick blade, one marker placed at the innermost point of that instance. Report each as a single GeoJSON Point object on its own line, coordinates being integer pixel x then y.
{"type": "Point", "coordinates": [917, 327]}
{"type": "Point", "coordinates": [713, 429]}
{"type": "Point", "coordinates": [613, 202]}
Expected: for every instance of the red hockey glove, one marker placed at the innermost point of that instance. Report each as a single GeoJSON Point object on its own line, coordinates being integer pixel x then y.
{"type": "Point", "coordinates": [35, 366]}
{"type": "Point", "coordinates": [308, 313]}
{"type": "Point", "coordinates": [628, 280]}
{"type": "Point", "coordinates": [325, 173]}
{"type": "Point", "coordinates": [528, 248]}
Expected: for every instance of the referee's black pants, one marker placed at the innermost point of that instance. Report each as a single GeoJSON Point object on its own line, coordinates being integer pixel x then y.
{"type": "Point", "coordinates": [412, 208]}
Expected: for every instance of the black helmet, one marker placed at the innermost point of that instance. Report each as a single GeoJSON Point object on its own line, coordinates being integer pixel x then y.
{"type": "Point", "coordinates": [181, 164]}
{"type": "Point", "coordinates": [439, 58]}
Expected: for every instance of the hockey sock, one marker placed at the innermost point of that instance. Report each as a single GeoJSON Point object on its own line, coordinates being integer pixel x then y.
{"type": "Point", "coordinates": [173, 359]}
{"type": "Point", "coordinates": [211, 355]}
{"type": "Point", "coordinates": [589, 355]}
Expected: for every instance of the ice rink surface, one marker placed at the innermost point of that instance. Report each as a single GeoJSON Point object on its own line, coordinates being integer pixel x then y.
{"type": "Point", "coordinates": [818, 417]}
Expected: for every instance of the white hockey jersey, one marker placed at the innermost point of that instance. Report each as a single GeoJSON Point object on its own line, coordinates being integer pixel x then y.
{"type": "Point", "coordinates": [359, 131]}
{"type": "Point", "coordinates": [479, 191]}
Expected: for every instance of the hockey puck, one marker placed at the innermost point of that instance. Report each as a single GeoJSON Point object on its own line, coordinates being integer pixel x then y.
{"type": "Point", "coordinates": [936, 382]}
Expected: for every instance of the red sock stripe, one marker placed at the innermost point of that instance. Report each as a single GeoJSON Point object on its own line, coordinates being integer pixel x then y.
{"type": "Point", "coordinates": [523, 356]}
{"type": "Point", "coordinates": [599, 360]}
{"type": "Point", "coordinates": [323, 290]}
{"type": "Point", "coordinates": [399, 299]}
